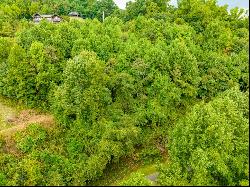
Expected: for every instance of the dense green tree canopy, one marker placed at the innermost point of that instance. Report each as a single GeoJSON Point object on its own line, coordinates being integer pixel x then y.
{"type": "Point", "coordinates": [210, 146]}
{"type": "Point", "coordinates": [147, 79]}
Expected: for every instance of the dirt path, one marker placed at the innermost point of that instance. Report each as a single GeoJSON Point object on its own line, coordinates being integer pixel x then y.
{"type": "Point", "coordinates": [24, 119]}
{"type": "Point", "coordinates": [12, 120]}
{"type": "Point", "coordinates": [5, 112]}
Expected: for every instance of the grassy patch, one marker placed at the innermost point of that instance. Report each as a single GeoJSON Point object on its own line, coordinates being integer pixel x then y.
{"type": "Point", "coordinates": [5, 112]}
{"type": "Point", "coordinates": [13, 104]}
{"type": "Point", "coordinates": [117, 172]}
{"type": "Point", "coordinates": [8, 108]}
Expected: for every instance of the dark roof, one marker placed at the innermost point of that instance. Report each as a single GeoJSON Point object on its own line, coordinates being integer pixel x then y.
{"type": "Point", "coordinates": [43, 16]}
{"type": "Point", "coordinates": [35, 15]}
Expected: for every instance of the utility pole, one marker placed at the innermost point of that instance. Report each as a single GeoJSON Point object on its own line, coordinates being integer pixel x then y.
{"type": "Point", "coordinates": [103, 16]}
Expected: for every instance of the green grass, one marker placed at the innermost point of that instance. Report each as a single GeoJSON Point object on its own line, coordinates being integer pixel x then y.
{"type": "Point", "coordinates": [115, 173]}
{"type": "Point", "coordinates": [148, 169]}
{"type": "Point", "coordinates": [144, 169]}
{"type": "Point", "coordinates": [15, 105]}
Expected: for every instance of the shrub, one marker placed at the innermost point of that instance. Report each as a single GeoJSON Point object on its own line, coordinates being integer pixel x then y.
{"type": "Point", "coordinates": [32, 138]}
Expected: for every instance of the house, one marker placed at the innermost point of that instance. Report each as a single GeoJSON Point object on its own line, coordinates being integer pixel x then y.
{"type": "Point", "coordinates": [51, 18]}
{"type": "Point", "coordinates": [74, 14]}
{"type": "Point", "coordinates": [56, 19]}
{"type": "Point", "coordinates": [37, 18]}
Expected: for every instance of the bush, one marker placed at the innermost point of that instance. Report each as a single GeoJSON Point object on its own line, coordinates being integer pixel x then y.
{"type": "Point", "coordinates": [32, 138]}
